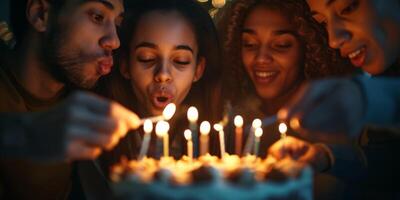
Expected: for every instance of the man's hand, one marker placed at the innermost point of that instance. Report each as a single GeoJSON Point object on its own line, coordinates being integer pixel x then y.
{"type": "Point", "coordinates": [87, 123]}
{"type": "Point", "coordinates": [302, 151]}
{"type": "Point", "coordinates": [326, 109]}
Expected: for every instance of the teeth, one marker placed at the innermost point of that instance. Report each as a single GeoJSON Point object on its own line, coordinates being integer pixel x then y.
{"type": "Point", "coordinates": [355, 53]}
{"type": "Point", "coordinates": [265, 74]}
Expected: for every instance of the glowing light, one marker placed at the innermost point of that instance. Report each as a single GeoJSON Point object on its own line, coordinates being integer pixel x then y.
{"type": "Point", "coordinates": [169, 111]}
{"type": "Point", "coordinates": [205, 128]}
{"type": "Point", "coordinates": [148, 126]}
{"type": "Point", "coordinates": [192, 114]}
{"type": "Point", "coordinates": [282, 128]}
{"type": "Point", "coordinates": [218, 3]}
{"type": "Point", "coordinates": [257, 123]}
{"type": "Point", "coordinates": [218, 127]}
{"type": "Point", "coordinates": [238, 121]}
{"type": "Point", "coordinates": [188, 134]}
{"type": "Point", "coordinates": [162, 128]}
{"type": "Point", "coordinates": [295, 123]}
{"type": "Point", "coordinates": [258, 132]}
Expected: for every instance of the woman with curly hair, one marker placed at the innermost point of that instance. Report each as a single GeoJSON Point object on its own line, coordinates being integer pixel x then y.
{"type": "Point", "coordinates": [270, 48]}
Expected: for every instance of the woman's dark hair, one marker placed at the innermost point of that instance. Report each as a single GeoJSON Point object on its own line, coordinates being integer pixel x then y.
{"type": "Point", "coordinates": [319, 60]}
{"type": "Point", "coordinates": [204, 93]}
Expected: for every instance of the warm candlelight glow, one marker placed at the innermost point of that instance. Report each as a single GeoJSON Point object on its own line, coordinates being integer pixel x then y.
{"type": "Point", "coordinates": [205, 128]}
{"type": "Point", "coordinates": [188, 134]}
{"type": "Point", "coordinates": [218, 127]}
{"type": "Point", "coordinates": [258, 133]}
{"type": "Point", "coordinates": [218, 3]}
{"type": "Point", "coordinates": [221, 134]}
{"type": "Point", "coordinates": [192, 114]}
{"type": "Point", "coordinates": [148, 126]}
{"type": "Point", "coordinates": [238, 121]}
{"type": "Point", "coordinates": [257, 123]}
{"type": "Point", "coordinates": [169, 111]}
{"type": "Point", "coordinates": [295, 123]}
{"type": "Point", "coordinates": [162, 128]}
{"type": "Point", "coordinates": [282, 128]}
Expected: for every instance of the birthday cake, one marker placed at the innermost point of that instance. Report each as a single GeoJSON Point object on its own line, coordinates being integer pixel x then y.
{"type": "Point", "coordinates": [210, 177]}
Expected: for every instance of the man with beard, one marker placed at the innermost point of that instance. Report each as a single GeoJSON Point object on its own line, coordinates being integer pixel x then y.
{"type": "Point", "coordinates": [61, 46]}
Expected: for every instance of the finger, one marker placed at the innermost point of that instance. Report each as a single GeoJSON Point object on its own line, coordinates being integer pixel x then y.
{"type": "Point", "coordinates": [276, 150]}
{"type": "Point", "coordinates": [80, 151]}
{"type": "Point", "coordinates": [83, 134]}
{"type": "Point", "coordinates": [129, 118]}
{"type": "Point", "coordinates": [101, 124]}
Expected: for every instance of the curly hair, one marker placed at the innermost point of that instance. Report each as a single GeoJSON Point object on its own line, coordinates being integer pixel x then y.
{"type": "Point", "coordinates": [319, 60]}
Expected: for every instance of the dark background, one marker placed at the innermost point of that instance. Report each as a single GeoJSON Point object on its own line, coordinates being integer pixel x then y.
{"type": "Point", "coordinates": [4, 10]}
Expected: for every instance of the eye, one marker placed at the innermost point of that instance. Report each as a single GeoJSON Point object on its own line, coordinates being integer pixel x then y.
{"type": "Point", "coordinates": [146, 58]}
{"type": "Point", "coordinates": [97, 17]}
{"type": "Point", "coordinates": [182, 62]}
{"type": "Point", "coordinates": [283, 45]}
{"type": "Point", "coordinates": [350, 8]}
{"type": "Point", "coordinates": [249, 45]}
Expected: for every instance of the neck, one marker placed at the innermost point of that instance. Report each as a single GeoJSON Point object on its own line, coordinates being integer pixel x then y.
{"type": "Point", "coordinates": [31, 72]}
{"type": "Point", "coordinates": [272, 106]}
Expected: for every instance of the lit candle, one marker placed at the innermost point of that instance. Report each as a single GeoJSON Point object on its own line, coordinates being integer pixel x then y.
{"type": "Point", "coordinates": [220, 129]}
{"type": "Point", "coordinates": [162, 128]}
{"type": "Point", "coordinates": [282, 130]}
{"type": "Point", "coordinates": [257, 123]}
{"type": "Point", "coordinates": [188, 136]}
{"type": "Point", "coordinates": [258, 133]}
{"type": "Point", "coordinates": [238, 121]}
{"type": "Point", "coordinates": [148, 128]}
{"type": "Point", "coordinates": [205, 129]}
{"type": "Point", "coordinates": [193, 116]}
{"type": "Point", "coordinates": [167, 114]}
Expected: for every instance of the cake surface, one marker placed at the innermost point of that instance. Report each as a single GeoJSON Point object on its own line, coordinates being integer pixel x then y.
{"type": "Point", "coordinates": [209, 177]}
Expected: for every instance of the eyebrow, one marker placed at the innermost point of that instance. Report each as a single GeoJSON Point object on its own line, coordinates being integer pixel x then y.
{"type": "Point", "coordinates": [275, 32]}
{"type": "Point", "coordinates": [153, 46]}
{"type": "Point", "coordinates": [328, 3]}
{"type": "Point", "coordinates": [106, 3]}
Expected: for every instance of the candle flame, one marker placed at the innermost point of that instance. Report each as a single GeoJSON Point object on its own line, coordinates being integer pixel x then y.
{"type": "Point", "coordinates": [162, 128]}
{"type": "Point", "coordinates": [238, 121]}
{"type": "Point", "coordinates": [169, 111]}
{"type": "Point", "coordinates": [205, 128]}
{"type": "Point", "coordinates": [295, 123]}
{"type": "Point", "coordinates": [218, 127]}
{"type": "Point", "coordinates": [188, 134]}
{"type": "Point", "coordinates": [192, 114]}
{"type": "Point", "coordinates": [148, 126]}
{"type": "Point", "coordinates": [258, 132]}
{"type": "Point", "coordinates": [257, 123]}
{"type": "Point", "coordinates": [282, 128]}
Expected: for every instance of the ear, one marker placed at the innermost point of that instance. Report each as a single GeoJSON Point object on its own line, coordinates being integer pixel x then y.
{"type": "Point", "coordinates": [123, 67]}
{"type": "Point", "coordinates": [201, 65]}
{"type": "Point", "coordinates": [37, 12]}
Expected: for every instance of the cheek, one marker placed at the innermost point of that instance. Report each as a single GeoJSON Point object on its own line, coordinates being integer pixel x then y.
{"type": "Point", "coordinates": [247, 59]}
{"type": "Point", "coordinates": [183, 82]}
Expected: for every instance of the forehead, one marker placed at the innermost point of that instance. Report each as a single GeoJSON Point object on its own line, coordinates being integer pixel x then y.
{"type": "Point", "coordinates": [114, 5]}
{"type": "Point", "coordinates": [262, 16]}
{"type": "Point", "coordinates": [165, 26]}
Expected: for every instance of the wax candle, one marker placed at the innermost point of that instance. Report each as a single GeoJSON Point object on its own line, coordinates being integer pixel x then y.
{"type": "Point", "coordinates": [162, 128]}
{"type": "Point", "coordinates": [148, 128]}
{"type": "Point", "coordinates": [188, 136]}
{"type": "Point", "coordinates": [193, 116]}
{"type": "Point", "coordinates": [167, 114]}
{"type": "Point", "coordinates": [205, 129]}
{"type": "Point", "coordinates": [220, 129]}
{"type": "Point", "coordinates": [257, 123]}
{"type": "Point", "coordinates": [258, 133]}
{"type": "Point", "coordinates": [238, 121]}
{"type": "Point", "coordinates": [282, 130]}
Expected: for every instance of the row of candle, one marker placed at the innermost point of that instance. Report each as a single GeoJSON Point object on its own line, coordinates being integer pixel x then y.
{"type": "Point", "coordinates": [162, 128]}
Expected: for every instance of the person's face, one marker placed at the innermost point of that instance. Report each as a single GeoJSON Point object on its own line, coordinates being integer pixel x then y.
{"type": "Point", "coordinates": [271, 53]}
{"type": "Point", "coordinates": [163, 61]}
{"type": "Point", "coordinates": [82, 39]}
{"type": "Point", "coordinates": [365, 31]}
